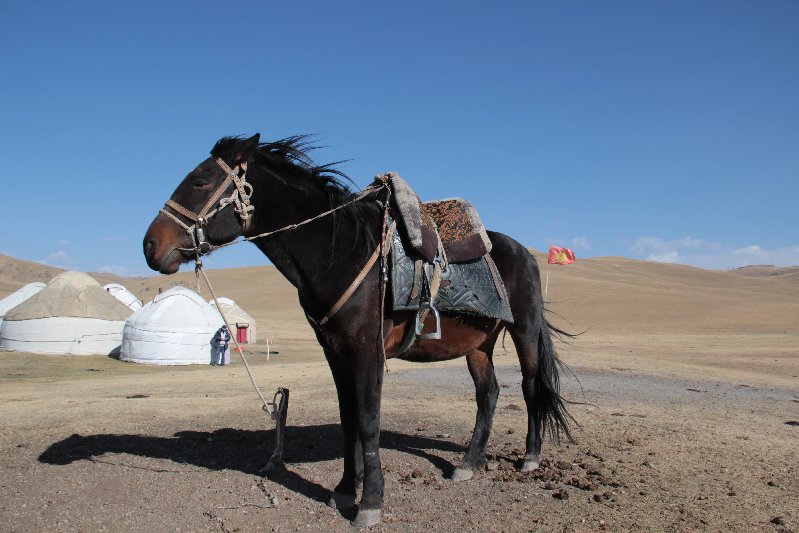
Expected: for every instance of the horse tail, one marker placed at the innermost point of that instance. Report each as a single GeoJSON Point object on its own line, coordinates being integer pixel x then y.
{"type": "Point", "coordinates": [549, 407]}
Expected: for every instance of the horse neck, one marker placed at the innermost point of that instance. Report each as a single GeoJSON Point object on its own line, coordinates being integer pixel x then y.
{"type": "Point", "coordinates": [318, 258]}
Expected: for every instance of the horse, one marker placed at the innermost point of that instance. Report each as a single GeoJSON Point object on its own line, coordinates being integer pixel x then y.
{"type": "Point", "coordinates": [319, 234]}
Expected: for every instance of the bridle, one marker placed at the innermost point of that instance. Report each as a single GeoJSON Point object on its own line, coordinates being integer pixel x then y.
{"type": "Point", "coordinates": [240, 198]}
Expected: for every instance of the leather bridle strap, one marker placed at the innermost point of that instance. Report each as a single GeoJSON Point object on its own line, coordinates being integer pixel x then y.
{"type": "Point", "coordinates": [215, 197]}
{"type": "Point", "coordinates": [215, 203]}
{"type": "Point", "coordinates": [183, 211]}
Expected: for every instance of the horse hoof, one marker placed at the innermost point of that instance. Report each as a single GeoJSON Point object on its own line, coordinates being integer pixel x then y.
{"type": "Point", "coordinates": [367, 518]}
{"type": "Point", "coordinates": [462, 474]}
{"type": "Point", "coordinates": [342, 501]}
{"type": "Point", "coordinates": [270, 467]}
{"type": "Point", "coordinates": [528, 465]}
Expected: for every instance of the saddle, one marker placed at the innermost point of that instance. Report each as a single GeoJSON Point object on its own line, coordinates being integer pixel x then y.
{"type": "Point", "coordinates": [451, 226]}
{"type": "Point", "coordinates": [440, 260]}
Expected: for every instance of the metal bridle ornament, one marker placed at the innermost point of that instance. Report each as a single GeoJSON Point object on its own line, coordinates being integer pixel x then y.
{"type": "Point", "coordinates": [239, 198]}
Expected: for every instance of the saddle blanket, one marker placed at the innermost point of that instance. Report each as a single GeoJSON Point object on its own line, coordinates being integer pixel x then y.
{"type": "Point", "coordinates": [466, 288]}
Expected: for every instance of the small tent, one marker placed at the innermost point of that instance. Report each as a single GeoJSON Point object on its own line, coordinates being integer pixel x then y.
{"type": "Point", "coordinates": [121, 293]}
{"type": "Point", "coordinates": [17, 297]}
{"type": "Point", "coordinates": [72, 315]}
{"type": "Point", "coordinates": [240, 321]}
{"type": "Point", "coordinates": [175, 328]}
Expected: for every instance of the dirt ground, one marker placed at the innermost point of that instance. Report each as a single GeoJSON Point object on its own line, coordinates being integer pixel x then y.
{"type": "Point", "coordinates": [681, 432]}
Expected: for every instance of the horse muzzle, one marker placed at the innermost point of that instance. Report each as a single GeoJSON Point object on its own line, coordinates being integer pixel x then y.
{"type": "Point", "coordinates": [163, 247]}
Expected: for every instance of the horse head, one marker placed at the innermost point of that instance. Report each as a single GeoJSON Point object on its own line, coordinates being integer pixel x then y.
{"type": "Point", "coordinates": [209, 208]}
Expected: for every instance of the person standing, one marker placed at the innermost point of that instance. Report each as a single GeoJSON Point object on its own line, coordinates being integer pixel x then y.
{"type": "Point", "coordinates": [220, 344]}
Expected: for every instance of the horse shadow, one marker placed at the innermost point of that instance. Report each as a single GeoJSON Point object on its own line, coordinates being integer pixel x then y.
{"type": "Point", "coordinates": [245, 450]}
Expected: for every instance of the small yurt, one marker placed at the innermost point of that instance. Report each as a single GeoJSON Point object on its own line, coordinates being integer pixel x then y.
{"type": "Point", "coordinates": [121, 293]}
{"type": "Point", "coordinates": [17, 297]}
{"type": "Point", "coordinates": [175, 328]}
{"type": "Point", "coordinates": [240, 321]}
{"type": "Point", "coordinates": [72, 315]}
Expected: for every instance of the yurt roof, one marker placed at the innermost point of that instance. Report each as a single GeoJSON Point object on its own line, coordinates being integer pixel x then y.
{"type": "Point", "coordinates": [19, 296]}
{"type": "Point", "coordinates": [71, 294]}
{"type": "Point", "coordinates": [177, 307]}
{"type": "Point", "coordinates": [180, 290]}
{"type": "Point", "coordinates": [123, 294]}
{"type": "Point", "coordinates": [232, 309]}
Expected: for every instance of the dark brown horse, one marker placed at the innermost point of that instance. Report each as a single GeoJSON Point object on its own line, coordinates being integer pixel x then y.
{"type": "Point", "coordinates": [321, 259]}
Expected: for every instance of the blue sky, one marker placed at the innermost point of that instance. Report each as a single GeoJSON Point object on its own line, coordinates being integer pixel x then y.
{"type": "Point", "coordinates": [666, 131]}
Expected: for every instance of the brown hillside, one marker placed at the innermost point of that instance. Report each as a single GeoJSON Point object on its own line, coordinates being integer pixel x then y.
{"type": "Point", "coordinates": [764, 270]}
{"type": "Point", "coordinates": [607, 295]}
{"type": "Point", "coordinates": [14, 273]}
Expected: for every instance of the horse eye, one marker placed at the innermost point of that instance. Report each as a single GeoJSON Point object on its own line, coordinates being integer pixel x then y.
{"type": "Point", "coordinates": [200, 183]}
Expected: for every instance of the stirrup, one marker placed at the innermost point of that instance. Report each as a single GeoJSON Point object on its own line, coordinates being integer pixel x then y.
{"type": "Point", "coordinates": [435, 335]}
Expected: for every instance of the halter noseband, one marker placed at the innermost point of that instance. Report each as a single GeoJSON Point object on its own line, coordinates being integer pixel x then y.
{"type": "Point", "coordinates": [240, 198]}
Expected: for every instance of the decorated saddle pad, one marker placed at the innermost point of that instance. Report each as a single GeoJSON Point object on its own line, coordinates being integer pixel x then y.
{"type": "Point", "coordinates": [462, 233]}
{"type": "Point", "coordinates": [454, 220]}
{"type": "Point", "coordinates": [466, 288]}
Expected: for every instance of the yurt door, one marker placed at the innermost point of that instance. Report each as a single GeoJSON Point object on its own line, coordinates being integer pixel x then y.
{"type": "Point", "coordinates": [241, 333]}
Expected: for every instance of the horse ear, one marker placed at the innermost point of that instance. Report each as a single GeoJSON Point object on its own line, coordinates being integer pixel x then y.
{"type": "Point", "coordinates": [243, 152]}
{"type": "Point", "coordinates": [236, 151]}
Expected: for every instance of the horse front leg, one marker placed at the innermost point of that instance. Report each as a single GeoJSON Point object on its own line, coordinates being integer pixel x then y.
{"type": "Point", "coordinates": [368, 388]}
{"type": "Point", "coordinates": [343, 496]}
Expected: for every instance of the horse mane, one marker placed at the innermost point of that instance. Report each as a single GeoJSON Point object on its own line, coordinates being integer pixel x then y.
{"type": "Point", "coordinates": [292, 155]}
{"type": "Point", "coordinates": [290, 159]}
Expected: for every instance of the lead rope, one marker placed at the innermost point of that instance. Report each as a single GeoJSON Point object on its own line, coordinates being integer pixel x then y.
{"type": "Point", "coordinates": [277, 410]}
{"type": "Point", "coordinates": [363, 194]}
{"type": "Point", "coordinates": [266, 406]}
{"type": "Point", "coordinates": [274, 409]}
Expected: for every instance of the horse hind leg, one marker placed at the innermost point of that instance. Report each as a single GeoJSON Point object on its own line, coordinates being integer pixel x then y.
{"type": "Point", "coordinates": [546, 409]}
{"type": "Point", "coordinates": [526, 342]}
{"type": "Point", "coordinates": [481, 367]}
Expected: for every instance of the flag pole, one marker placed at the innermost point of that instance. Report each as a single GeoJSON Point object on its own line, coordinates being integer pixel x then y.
{"type": "Point", "coordinates": [546, 285]}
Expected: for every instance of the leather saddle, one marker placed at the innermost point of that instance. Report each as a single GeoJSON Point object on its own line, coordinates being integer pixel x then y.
{"type": "Point", "coordinates": [449, 229]}
{"type": "Point", "coordinates": [440, 260]}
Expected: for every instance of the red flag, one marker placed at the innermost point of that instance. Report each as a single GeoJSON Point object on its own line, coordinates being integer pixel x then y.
{"type": "Point", "coordinates": [560, 256]}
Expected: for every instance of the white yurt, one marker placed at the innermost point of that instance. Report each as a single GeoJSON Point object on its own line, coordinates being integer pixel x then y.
{"type": "Point", "coordinates": [241, 323]}
{"type": "Point", "coordinates": [176, 328]}
{"type": "Point", "coordinates": [121, 293]}
{"type": "Point", "coordinates": [72, 315]}
{"type": "Point", "coordinates": [17, 297]}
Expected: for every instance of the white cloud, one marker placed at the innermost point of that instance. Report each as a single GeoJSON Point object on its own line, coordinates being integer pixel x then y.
{"type": "Point", "coordinates": [580, 243]}
{"type": "Point", "coordinates": [117, 270]}
{"type": "Point", "coordinates": [63, 242]}
{"type": "Point", "coordinates": [60, 256]}
{"type": "Point", "coordinates": [668, 257]}
{"type": "Point", "coordinates": [714, 255]}
{"type": "Point", "coordinates": [60, 259]}
{"type": "Point", "coordinates": [577, 243]}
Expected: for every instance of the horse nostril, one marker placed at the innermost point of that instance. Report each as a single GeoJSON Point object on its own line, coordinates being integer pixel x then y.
{"type": "Point", "coordinates": [149, 247]}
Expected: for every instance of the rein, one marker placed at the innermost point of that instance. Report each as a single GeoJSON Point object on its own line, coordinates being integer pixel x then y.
{"type": "Point", "coordinates": [370, 189]}
{"type": "Point", "coordinates": [240, 198]}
